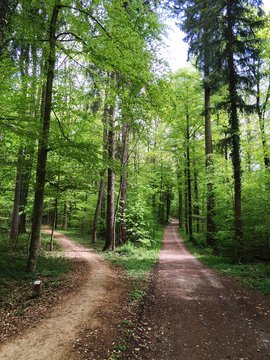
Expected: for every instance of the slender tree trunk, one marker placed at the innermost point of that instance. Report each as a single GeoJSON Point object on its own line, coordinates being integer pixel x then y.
{"type": "Point", "coordinates": [65, 217]}
{"type": "Point", "coordinates": [123, 183]}
{"type": "Point", "coordinates": [160, 205]}
{"type": "Point", "coordinates": [210, 198]}
{"type": "Point", "coordinates": [186, 200]}
{"type": "Point", "coordinates": [100, 200]}
{"type": "Point", "coordinates": [261, 116]}
{"type": "Point", "coordinates": [54, 222]}
{"type": "Point", "coordinates": [249, 141]}
{"type": "Point", "coordinates": [14, 231]}
{"type": "Point", "coordinates": [43, 146]}
{"type": "Point", "coordinates": [110, 240]}
{"type": "Point", "coordinates": [168, 204]}
{"type": "Point", "coordinates": [98, 207]}
{"type": "Point", "coordinates": [266, 157]}
{"type": "Point", "coordinates": [189, 197]}
{"type": "Point", "coordinates": [180, 195]}
{"type": "Point", "coordinates": [196, 199]}
{"type": "Point", "coordinates": [235, 134]}
{"type": "Point", "coordinates": [25, 180]}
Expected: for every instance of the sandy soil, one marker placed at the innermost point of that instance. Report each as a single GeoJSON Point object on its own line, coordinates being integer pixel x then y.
{"type": "Point", "coordinates": [194, 313]}
{"type": "Point", "coordinates": [54, 337]}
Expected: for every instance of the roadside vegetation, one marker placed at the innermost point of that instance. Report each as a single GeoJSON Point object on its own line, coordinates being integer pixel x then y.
{"type": "Point", "coordinates": [16, 285]}
{"type": "Point", "coordinates": [252, 274]}
{"type": "Point", "coordinates": [136, 260]}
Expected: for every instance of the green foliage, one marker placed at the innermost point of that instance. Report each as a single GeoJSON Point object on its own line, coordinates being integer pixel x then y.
{"type": "Point", "coordinates": [16, 284]}
{"type": "Point", "coordinates": [253, 275]}
{"type": "Point", "coordinates": [138, 224]}
{"type": "Point", "coordinates": [137, 260]}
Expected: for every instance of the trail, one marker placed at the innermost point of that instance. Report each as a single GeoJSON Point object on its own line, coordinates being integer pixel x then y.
{"type": "Point", "coordinates": [53, 338]}
{"type": "Point", "coordinates": [194, 313]}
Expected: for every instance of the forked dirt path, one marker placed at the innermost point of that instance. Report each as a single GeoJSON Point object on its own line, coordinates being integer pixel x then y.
{"type": "Point", "coordinates": [53, 338]}
{"type": "Point", "coordinates": [193, 313]}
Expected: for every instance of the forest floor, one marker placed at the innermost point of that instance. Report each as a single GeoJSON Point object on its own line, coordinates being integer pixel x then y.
{"type": "Point", "coordinates": [192, 312]}
{"type": "Point", "coordinates": [189, 312]}
{"type": "Point", "coordinates": [84, 324]}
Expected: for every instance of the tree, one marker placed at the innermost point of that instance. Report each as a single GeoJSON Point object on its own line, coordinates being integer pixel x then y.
{"type": "Point", "coordinates": [199, 27]}
{"type": "Point", "coordinates": [43, 142]}
{"type": "Point", "coordinates": [233, 40]}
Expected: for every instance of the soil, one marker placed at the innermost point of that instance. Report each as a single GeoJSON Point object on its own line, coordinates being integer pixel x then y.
{"type": "Point", "coordinates": [189, 313]}
{"type": "Point", "coordinates": [193, 313]}
{"type": "Point", "coordinates": [85, 324]}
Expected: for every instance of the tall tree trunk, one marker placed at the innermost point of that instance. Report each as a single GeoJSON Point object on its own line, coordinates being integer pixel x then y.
{"type": "Point", "coordinates": [100, 199]}
{"type": "Point", "coordinates": [186, 199]}
{"type": "Point", "coordinates": [168, 204]}
{"type": "Point", "coordinates": [14, 231]}
{"type": "Point", "coordinates": [210, 198]}
{"type": "Point", "coordinates": [110, 240]}
{"type": "Point", "coordinates": [123, 183]}
{"type": "Point", "coordinates": [98, 208]}
{"type": "Point", "coordinates": [261, 115]}
{"type": "Point", "coordinates": [249, 142]}
{"type": "Point", "coordinates": [189, 197]}
{"type": "Point", "coordinates": [235, 133]}
{"type": "Point", "coordinates": [160, 203]}
{"type": "Point", "coordinates": [54, 222]}
{"type": "Point", "coordinates": [43, 146]}
{"type": "Point", "coordinates": [25, 180]}
{"type": "Point", "coordinates": [180, 197]}
{"type": "Point", "coordinates": [196, 199]}
{"type": "Point", "coordinates": [65, 217]}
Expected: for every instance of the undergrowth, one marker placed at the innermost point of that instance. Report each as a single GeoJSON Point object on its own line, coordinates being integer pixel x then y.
{"type": "Point", "coordinates": [136, 260]}
{"type": "Point", "coordinates": [254, 275]}
{"type": "Point", "coordinates": [14, 279]}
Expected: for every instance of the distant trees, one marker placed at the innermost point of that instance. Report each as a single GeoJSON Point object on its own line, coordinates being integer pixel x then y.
{"type": "Point", "coordinates": [224, 44]}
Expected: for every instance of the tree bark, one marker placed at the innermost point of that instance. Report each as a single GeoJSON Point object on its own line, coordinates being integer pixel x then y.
{"type": "Point", "coordinates": [100, 199]}
{"type": "Point", "coordinates": [25, 180]}
{"type": "Point", "coordinates": [235, 133]}
{"type": "Point", "coordinates": [196, 207]}
{"type": "Point", "coordinates": [110, 240]}
{"type": "Point", "coordinates": [189, 197]}
{"type": "Point", "coordinates": [14, 230]}
{"type": "Point", "coordinates": [186, 198]}
{"type": "Point", "coordinates": [123, 183]}
{"type": "Point", "coordinates": [43, 145]}
{"type": "Point", "coordinates": [261, 115]}
{"type": "Point", "coordinates": [65, 217]}
{"type": "Point", "coordinates": [210, 198]}
{"type": "Point", "coordinates": [98, 208]}
{"type": "Point", "coordinates": [180, 197]}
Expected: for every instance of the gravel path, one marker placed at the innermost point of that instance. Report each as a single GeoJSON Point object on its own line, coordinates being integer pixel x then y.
{"type": "Point", "coordinates": [192, 312]}
{"type": "Point", "coordinates": [53, 338]}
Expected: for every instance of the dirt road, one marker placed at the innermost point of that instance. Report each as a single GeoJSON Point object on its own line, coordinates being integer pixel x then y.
{"type": "Point", "coordinates": [54, 337]}
{"type": "Point", "coordinates": [193, 313]}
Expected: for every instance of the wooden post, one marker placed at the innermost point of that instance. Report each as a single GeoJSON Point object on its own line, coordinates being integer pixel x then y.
{"type": "Point", "coordinates": [37, 287]}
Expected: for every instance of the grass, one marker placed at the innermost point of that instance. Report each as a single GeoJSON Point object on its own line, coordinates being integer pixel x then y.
{"type": "Point", "coordinates": [255, 275]}
{"type": "Point", "coordinates": [137, 261]}
{"type": "Point", "coordinates": [83, 239]}
{"type": "Point", "coordinates": [14, 280]}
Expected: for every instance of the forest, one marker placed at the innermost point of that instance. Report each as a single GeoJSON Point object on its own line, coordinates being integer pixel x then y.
{"type": "Point", "coordinates": [99, 135]}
